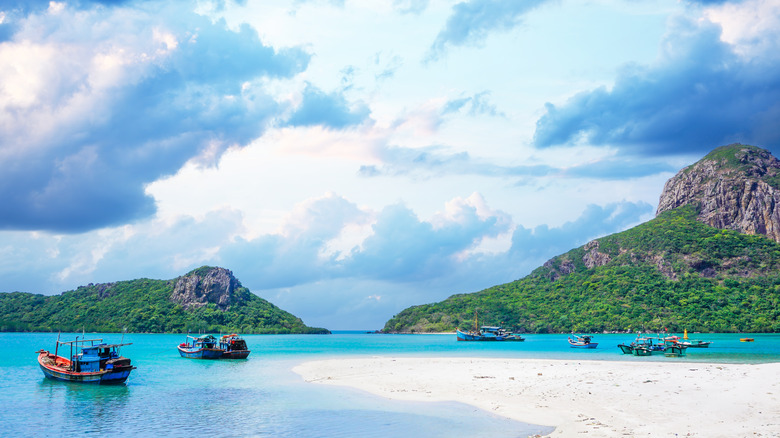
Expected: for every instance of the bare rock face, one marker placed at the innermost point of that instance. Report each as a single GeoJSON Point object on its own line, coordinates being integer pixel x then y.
{"type": "Point", "coordinates": [557, 270]}
{"type": "Point", "coordinates": [733, 187]}
{"type": "Point", "coordinates": [593, 257]}
{"type": "Point", "coordinates": [206, 285]}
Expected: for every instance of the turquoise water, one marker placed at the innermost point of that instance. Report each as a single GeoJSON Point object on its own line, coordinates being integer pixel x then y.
{"type": "Point", "coordinates": [171, 396]}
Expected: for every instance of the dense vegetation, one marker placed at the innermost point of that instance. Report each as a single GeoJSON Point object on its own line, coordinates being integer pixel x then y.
{"type": "Point", "coordinates": [141, 306]}
{"type": "Point", "coordinates": [672, 272]}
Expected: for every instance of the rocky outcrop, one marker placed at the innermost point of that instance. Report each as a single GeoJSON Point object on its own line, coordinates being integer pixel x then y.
{"type": "Point", "coordinates": [734, 187]}
{"type": "Point", "coordinates": [207, 285]}
{"type": "Point", "coordinates": [593, 257]}
{"type": "Point", "coordinates": [558, 267]}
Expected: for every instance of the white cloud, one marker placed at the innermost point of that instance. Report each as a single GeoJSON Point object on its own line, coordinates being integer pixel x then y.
{"type": "Point", "coordinates": [751, 26]}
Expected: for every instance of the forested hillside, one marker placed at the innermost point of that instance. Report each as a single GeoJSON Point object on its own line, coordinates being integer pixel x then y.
{"type": "Point", "coordinates": [204, 300]}
{"type": "Point", "coordinates": [674, 272]}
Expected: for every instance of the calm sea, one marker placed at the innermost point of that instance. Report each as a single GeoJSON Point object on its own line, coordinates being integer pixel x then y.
{"type": "Point", "coordinates": [171, 396]}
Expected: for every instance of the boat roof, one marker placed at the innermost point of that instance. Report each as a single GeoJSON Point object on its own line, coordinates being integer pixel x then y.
{"type": "Point", "coordinates": [78, 341]}
{"type": "Point", "coordinates": [108, 345]}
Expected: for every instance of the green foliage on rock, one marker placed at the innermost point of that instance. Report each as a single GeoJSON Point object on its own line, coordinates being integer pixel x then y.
{"type": "Point", "coordinates": [143, 306]}
{"type": "Point", "coordinates": [672, 272]}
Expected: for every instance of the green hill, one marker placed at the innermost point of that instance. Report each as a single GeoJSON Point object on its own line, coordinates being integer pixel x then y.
{"type": "Point", "coordinates": [674, 272]}
{"type": "Point", "coordinates": [205, 300]}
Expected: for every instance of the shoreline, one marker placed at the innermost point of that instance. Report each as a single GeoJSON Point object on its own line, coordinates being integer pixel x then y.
{"type": "Point", "coordinates": [600, 398]}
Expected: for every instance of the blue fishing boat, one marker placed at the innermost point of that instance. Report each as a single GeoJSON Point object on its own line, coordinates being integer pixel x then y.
{"type": "Point", "coordinates": [583, 341]}
{"type": "Point", "coordinates": [234, 347]}
{"type": "Point", "coordinates": [201, 347]}
{"type": "Point", "coordinates": [88, 361]}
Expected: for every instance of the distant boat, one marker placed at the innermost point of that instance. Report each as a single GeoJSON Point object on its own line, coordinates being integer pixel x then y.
{"type": "Point", "coordinates": [583, 341]}
{"type": "Point", "coordinates": [643, 346]}
{"type": "Point", "coordinates": [94, 363]}
{"type": "Point", "coordinates": [234, 347]}
{"type": "Point", "coordinates": [486, 333]}
{"type": "Point", "coordinates": [693, 343]}
{"type": "Point", "coordinates": [201, 347]}
{"type": "Point", "coordinates": [746, 339]}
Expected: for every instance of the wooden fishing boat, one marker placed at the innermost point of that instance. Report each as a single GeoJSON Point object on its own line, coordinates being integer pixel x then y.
{"type": "Point", "coordinates": [695, 343]}
{"type": "Point", "coordinates": [234, 347]}
{"type": "Point", "coordinates": [88, 361]}
{"type": "Point", "coordinates": [643, 346]}
{"type": "Point", "coordinates": [583, 341]}
{"type": "Point", "coordinates": [200, 347]}
{"type": "Point", "coordinates": [487, 333]}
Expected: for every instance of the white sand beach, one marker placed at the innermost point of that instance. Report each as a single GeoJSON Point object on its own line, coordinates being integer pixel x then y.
{"type": "Point", "coordinates": [580, 398]}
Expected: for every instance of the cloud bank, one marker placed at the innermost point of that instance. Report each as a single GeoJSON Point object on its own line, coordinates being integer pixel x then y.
{"type": "Point", "coordinates": [97, 103]}
{"type": "Point", "coordinates": [703, 92]}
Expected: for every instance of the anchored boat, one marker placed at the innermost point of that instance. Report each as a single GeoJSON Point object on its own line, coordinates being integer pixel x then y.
{"type": "Point", "coordinates": [234, 347]}
{"type": "Point", "coordinates": [200, 347]}
{"type": "Point", "coordinates": [647, 345]}
{"type": "Point", "coordinates": [486, 333]}
{"type": "Point", "coordinates": [693, 343]}
{"type": "Point", "coordinates": [583, 341]}
{"type": "Point", "coordinates": [88, 361]}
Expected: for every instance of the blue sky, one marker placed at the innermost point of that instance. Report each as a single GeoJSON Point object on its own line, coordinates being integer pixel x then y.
{"type": "Point", "coordinates": [348, 159]}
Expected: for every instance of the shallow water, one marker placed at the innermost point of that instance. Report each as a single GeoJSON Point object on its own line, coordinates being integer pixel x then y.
{"type": "Point", "coordinates": [171, 396]}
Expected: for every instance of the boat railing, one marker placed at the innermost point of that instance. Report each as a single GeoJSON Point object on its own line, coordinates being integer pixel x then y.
{"type": "Point", "coordinates": [77, 341]}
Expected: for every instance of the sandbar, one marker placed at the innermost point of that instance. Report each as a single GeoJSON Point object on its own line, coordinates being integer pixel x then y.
{"type": "Point", "coordinates": [580, 398]}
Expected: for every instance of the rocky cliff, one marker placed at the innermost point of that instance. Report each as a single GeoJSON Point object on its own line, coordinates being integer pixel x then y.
{"type": "Point", "coordinates": [702, 264]}
{"type": "Point", "coordinates": [207, 285]}
{"type": "Point", "coordinates": [734, 187]}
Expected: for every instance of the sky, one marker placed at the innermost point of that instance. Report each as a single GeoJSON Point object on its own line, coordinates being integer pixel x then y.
{"type": "Point", "coordinates": [347, 159]}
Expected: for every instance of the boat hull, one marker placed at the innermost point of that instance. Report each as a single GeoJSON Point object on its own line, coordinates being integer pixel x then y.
{"type": "Point", "coordinates": [54, 367]}
{"type": "Point", "coordinates": [235, 354]}
{"type": "Point", "coordinates": [591, 345]}
{"type": "Point", "coordinates": [674, 351]}
{"type": "Point", "coordinates": [626, 349]}
{"type": "Point", "coordinates": [463, 336]}
{"type": "Point", "coordinates": [700, 345]}
{"type": "Point", "coordinates": [200, 353]}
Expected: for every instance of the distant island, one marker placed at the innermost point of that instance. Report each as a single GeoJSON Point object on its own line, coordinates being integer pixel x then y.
{"type": "Point", "coordinates": [709, 261]}
{"type": "Point", "coordinates": [207, 299]}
